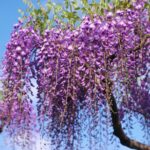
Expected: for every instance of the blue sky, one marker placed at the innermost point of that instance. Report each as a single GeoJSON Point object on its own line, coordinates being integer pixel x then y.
{"type": "Point", "coordinates": [8, 17]}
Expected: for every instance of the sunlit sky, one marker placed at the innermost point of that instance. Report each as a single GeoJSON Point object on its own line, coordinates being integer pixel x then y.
{"type": "Point", "coordinates": [8, 17]}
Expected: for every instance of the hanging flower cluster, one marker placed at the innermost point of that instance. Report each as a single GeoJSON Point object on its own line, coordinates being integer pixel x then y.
{"type": "Point", "coordinates": [18, 110]}
{"type": "Point", "coordinates": [74, 67]}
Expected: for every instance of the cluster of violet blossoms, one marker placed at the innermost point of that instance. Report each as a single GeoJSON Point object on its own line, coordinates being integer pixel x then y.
{"type": "Point", "coordinates": [72, 67]}
{"type": "Point", "coordinates": [17, 112]}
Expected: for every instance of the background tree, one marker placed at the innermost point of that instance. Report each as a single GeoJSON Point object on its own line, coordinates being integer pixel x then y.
{"type": "Point", "coordinates": [89, 71]}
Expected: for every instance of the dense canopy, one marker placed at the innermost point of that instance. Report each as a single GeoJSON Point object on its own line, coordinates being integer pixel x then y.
{"type": "Point", "coordinates": [102, 66]}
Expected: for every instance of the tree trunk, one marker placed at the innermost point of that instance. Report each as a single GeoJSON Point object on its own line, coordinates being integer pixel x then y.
{"type": "Point", "coordinates": [118, 131]}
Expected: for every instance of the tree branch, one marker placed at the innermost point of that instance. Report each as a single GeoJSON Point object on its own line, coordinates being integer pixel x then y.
{"type": "Point", "coordinates": [142, 43]}
{"type": "Point", "coordinates": [118, 131]}
{"type": "Point", "coordinates": [2, 124]}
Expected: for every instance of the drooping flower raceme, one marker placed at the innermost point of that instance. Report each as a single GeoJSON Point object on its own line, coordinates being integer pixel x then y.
{"type": "Point", "coordinates": [17, 78]}
{"type": "Point", "coordinates": [73, 67]}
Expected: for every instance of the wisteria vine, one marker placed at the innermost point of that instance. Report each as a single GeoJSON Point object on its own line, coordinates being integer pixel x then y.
{"type": "Point", "coordinates": [73, 69]}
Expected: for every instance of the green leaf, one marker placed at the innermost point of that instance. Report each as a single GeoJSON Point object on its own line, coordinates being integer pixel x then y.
{"type": "Point", "coordinates": [85, 2]}
{"type": "Point", "coordinates": [75, 4]}
{"type": "Point", "coordinates": [77, 8]}
{"type": "Point", "coordinates": [67, 4]}
{"type": "Point", "coordinates": [1, 95]}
